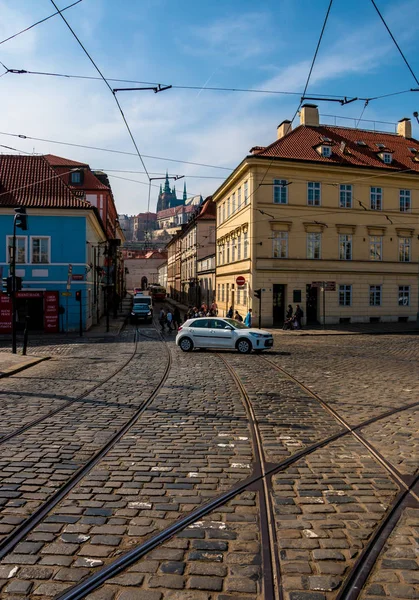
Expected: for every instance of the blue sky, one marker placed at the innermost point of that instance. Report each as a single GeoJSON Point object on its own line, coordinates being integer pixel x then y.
{"type": "Point", "coordinates": [220, 43]}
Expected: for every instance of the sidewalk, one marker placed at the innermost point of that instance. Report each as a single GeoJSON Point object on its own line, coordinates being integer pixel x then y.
{"type": "Point", "coordinates": [13, 363]}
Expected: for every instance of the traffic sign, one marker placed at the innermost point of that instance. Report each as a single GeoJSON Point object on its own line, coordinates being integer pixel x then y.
{"type": "Point", "coordinates": [330, 286]}
{"type": "Point", "coordinates": [65, 293]}
{"type": "Point", "coordinates": [240, 281]}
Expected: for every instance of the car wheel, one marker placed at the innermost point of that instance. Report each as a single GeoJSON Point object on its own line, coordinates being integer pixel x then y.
{"type": "Point", "coordinates": [244, 346]}
{"type": "Point", "coordinates": [186, 344]}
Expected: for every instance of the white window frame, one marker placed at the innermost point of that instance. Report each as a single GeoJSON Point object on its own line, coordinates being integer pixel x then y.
{"type": "Point", "coordinates": [40, 237]}
{"type": "Point", "coordinates": [345, 294]}
{"type": "Point", "coordinates": [219, 293]}
{"type": "Point", "coordinates": [314, 240]}
{"type": "Point", "coordinates": [387, 158]}
{"type": "Point", "coordinates": [376, 294]}
{"type": "Point", "coordinates": [228, 252]}
{"type": "Point", "coordinates": [233, 250]}
{"type": "Point", "coordinates": [376, 247]}
{"type": "Point", "coordinates": [314, 189]}
{"type": "Point", "coordinates": [280, 244]}
{"type": "Point", "coordinates": [345, 195]}
{"type": "Point", "coordinates": [228, 207]}
{"type": "Point", "coordinates": [246, 192]}
{"type": "Point", "coordinates": [245, 245]}
{"type": "Point", "coordinates": [239, 247]}
{"type": "Point", "coordinates": [238, 295]}
{"type": "Point", "coordinates": [233, 203]}
{"type": "Point", "coordinates": [220, 254]}
{"type": "Point", "coordinates": [404, 294]}
{"type": "Point", "coordinates": [345, 243]}
{"type": "Point", "coordinates": [239, 198]}
{"type": "Point", "coordinates": [224, 212]}
{"type": "Point", "coordinates": [280, 191]}
{"type": "Point", "coordinates": [405, 249]}
{"type": "Point", "coordinates": [9, 244]}
{"type": "Point", "coordinates": [326, 151]}
{"type": "Point", "coordinates": [222, 292]}
{"type": "Point", "coordinates": [405, 200]}
{"type": "Point", "coordinates": [245, 294]}
{"type": "Point", "coordinates": [376, 198]}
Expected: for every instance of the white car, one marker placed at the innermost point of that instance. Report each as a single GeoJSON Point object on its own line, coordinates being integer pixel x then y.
{"type": "Point", "coordinates": [215, 332]}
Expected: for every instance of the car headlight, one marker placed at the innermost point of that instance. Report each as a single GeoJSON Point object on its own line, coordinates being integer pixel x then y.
{"type": "Point", "coordinates": [132, 314]}
{"type": "Point", "coordinates": [257, 335]}
{"type": "Point", "coordinates": [149, 313]}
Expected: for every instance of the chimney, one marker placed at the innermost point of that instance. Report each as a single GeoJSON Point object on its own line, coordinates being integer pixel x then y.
{"type": "Point", "coordinates": [404, 128]}
{"type": "Point", "coordinates": [283, 128]}
{"type": "Point", "coordinates": [309, 115]}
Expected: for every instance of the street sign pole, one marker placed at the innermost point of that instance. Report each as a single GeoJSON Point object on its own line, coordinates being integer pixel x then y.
{"type": "Point", "coordinates": [324, 305]}
{"type": "Point", "coordinates": [13, 269]}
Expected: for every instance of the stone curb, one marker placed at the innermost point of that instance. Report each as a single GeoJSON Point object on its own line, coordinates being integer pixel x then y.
{"type": "Point", "coordinates": [30, 363]}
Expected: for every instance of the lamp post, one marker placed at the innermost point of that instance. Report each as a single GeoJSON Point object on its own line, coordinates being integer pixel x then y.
{"type": "Point", "coordinates": [19, 220]}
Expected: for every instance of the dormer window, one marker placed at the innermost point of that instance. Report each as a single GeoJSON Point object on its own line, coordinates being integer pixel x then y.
{"type": "Point", "coordinates": [381, 146]}
{"type": "Point", "coordinates": [360, 143]}
{"type": "Point", "coordinates": [387, 158]}
{"type": "Point", "coordinates": [76, 177]}
{"type": "Point", "coordinates": [326, 151]}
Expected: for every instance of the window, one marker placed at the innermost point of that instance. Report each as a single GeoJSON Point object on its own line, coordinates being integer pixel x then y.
{"type": "Point", "coordinates": [313, 193]}
{"type": "Point", "coordinates": [224, 254]}
{"type": "Point", "coordinates": [222, 292]}
{"type": "Point", "coordinates": [345, 295]}
{"type": "Point", "coordinates": [220, 255]}
{"type": "Point", "coordinates": [76, 177]}
{"type": "Point", "coordinates": [228, 207]}
{"type": "Point", "coordinates": [314, 245]}
{"type": "Point", "coordinates": [280, 244]}
{"type": "Point", "coordinates": [345, 196]}
{"type": "Point", "coordinates": [233, 250]}
{"type": "Point", "coordinates": [280, 191]}
{"type": "Point", "coordinates": [233, 201]}
{"type": "Point", "coordinates": [238, 295]}
{"type": "Point", "coordinates": [405, 205]}
{"type": "Point", "coordinates": [227, 292]}
{"type": "Point", "coordinates": [246, 193]}
{"type": "Point", "coordinates": [387, 158]}
{"type": "Point", "coordinates": [239, 247]}
{"type": "Point", "coordinates": [201, 324]}
{"type": "Point", "coordinates": [219, 213]}
{"type": "Point", "coordinates": [376, 198]}
{"type": "Point", "coordinates": [239, 198]}
{"type": "Point", "coordinates": [404, 249]}
{"type": "Point", "coordinates": [224, 212]}
{"type": "Point", "coordinates": [375, 295]}
{"type": "Point", "coordinates": [245, 294]}
{"type": "Point", "coordinates": [219, 293]}
{"type": "Point", "coordinates": [345, 247]}
{"type": "Point", "coordinates": [246, 243]}
{"type": "Point", "coordinates": [20, 248]}
{"type": "Point", "coordinates": [404, 295]}
{"type": "Point", "coordinates": [326, 151]}
{"type": "Point", "coordinates": [376, 247]}
{"type": "Point", "coordinates": [40, 250]}
{"type": "Point", "coordinates": [228, 252]}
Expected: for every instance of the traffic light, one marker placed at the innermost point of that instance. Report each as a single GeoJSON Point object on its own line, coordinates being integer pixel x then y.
{"type": "Point", "coordinates": [21, 218]}
{"type": "Point", "coordinates": [78, 296]}
{"type": "Point", "coordinates": [258, 293]}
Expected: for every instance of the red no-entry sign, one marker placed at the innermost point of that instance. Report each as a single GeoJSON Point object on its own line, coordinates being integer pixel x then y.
{"type": "Point", "coordinates": [240, 281]}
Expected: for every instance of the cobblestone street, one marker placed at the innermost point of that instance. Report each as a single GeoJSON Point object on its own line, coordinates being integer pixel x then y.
{"type": "Point", "coordinates": [132, 471]}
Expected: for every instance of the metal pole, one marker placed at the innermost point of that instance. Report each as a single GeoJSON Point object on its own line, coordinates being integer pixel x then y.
{"type": "Point", "coordinates": [260, 310]}
{"type": "Point", "coordinates": [81, 315]}
{"type": "Point", "coordinates": [107, 289]}
{"type": "Point", "coordinates": [324, 304]}
{"type": "Point", "coordinates": [13, 268]}
{"type": "Point", "coordinates": [66, 314]}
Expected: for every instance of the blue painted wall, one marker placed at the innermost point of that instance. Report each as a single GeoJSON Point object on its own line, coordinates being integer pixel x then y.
{"type": "Point", "coordinates": [67, 246]}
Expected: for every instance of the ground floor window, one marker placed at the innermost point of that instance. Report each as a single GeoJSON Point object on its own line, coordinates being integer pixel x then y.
{"type": "Point", "coordinates": [345, 295]}
{"type": "Point", "coordinates": [404, 295]}
{"type": "Point", "coordinates": [375, 295]}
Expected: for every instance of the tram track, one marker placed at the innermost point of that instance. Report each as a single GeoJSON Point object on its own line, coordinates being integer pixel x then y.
{"type": "Point", "coordinates": [27, 525]}
{"type": "Point", "coordinates": [260, 480]}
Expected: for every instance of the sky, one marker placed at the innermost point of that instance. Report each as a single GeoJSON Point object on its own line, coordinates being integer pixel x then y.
{"type": "Point", "coordinates": [222, 43]}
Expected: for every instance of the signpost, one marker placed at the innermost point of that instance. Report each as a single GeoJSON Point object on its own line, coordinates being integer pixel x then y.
{"type": "Point", "coordinates": [240, 281]}
{"type": "Point", "coordinates": [326, 286]}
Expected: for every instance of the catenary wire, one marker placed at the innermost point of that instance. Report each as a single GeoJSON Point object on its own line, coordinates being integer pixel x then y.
{"type": "Point", "coordinates": [39, 22]}
{"type": "Point", "coordinates": [107, 84]}
{"type": "Point", "coordinates": [395, 42]}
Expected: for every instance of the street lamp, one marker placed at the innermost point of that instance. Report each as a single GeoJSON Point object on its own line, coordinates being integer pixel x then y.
{"type": "Point", "coordinates": [20, 220]}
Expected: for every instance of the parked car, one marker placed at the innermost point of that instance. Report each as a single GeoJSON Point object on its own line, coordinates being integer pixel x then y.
{"type": "Point", "coordinates": [142, 308]}
{"type": "Point", "coordinates": [209, 332]}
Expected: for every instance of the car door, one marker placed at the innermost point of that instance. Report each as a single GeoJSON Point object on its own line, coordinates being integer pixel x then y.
{"type": "Point", "coordinates": [221, 334]}
{"type": "Point", "coordinates": [200, 333]}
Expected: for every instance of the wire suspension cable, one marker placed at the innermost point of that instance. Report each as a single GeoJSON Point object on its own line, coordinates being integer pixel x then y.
{"type": "Point", "coordinates": [39, 22]}
{"type": "Point", "coordinates": [107, 84]}
{"type": "Point", "coordinates": [395, 42]}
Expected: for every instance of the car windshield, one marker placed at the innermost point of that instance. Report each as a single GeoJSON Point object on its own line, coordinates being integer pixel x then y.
{"type": "Point", "coordinates": [142, 300]}
{"type": "Point", "coordinates": [236, 324]}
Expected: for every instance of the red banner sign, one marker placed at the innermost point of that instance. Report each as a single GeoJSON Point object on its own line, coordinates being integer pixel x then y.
{"type": "Point", "coordinates": [51, 324]}
{"type": "Point", "coordinates": [5, 314]}
{"type": "Point", "coordinates": [77, 277]}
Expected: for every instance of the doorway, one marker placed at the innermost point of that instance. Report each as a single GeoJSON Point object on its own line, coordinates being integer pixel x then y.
{"type": "Point", "coordinates": [34, 308]}
{"type": "Point", "coordinates": [312, 296]}
{"type": "Point", "coordinates": [278, 311]}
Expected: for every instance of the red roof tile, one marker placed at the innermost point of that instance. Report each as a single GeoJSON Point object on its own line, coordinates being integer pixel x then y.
{"type": "Point", "coordinates": [63, 165]}
{"type": "Point", "coordinates": [59, 161]}
{"type": "Point", "coordinates": [300, 144]}
{"type": "Point", "coordinates": [31, 181]}
{"type": "Point", "coordinates": [208, 210]}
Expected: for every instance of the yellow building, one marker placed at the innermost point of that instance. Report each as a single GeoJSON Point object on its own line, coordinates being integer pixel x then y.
{"type": "Point", "coordinates": [322, 204]}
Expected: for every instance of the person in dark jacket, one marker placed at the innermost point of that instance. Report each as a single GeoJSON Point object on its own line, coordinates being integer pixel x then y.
{"type": "Point", "coordinates": [176, 317]}
{"type": "Point", "coordinates": [230, 313]}
{"type": "Point", "coordinates": [298, 316]}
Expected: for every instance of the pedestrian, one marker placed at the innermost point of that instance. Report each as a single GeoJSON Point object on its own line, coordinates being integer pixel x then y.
{"type": "Point", "coordinates": [289, 312]}
{"type": "Point", "coordinates": [248, 318]}
{"type": "Point", "coordinates": [289, 319]}
{"type": "Point", "coordinates": [230, 313]}
{"type": "Point", "coordinates": [238, 317]}
{"type": "Point", "coordinates": [214, 308]}
{"type": "Point", "coordinates": [162, 319]}
{"type": "Point", "coordinates": [169, 320]}
{"type": "Point", "coordinates": [176, 317]}
{"type": "Point", "coordinates": [298, 317]}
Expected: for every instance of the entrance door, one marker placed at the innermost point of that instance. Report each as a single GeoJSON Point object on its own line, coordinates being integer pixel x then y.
{"type": "Point", "coordinates": [34, 309]}
{"type": "Point", "coordinates": [312, 295]}
{"type": "Point", "coordinates": [278, 304]}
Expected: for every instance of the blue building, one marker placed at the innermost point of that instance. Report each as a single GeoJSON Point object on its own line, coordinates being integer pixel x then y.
{"type": "Point", "coordinates": [64, 250]}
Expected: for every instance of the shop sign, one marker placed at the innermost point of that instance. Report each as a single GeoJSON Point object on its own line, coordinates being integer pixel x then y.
{"type": "Point", "coordinates": [5, 314]}
{"type": "Point", "coordinates": [51, 324]}
{"type": "Point", "coordinates": [77, 277]}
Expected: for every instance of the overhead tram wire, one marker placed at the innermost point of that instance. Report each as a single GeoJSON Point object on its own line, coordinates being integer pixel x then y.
{"type": "Point", "coordinates": [111, 150]}
{"type": "Point", "coordinates": [107, 84]}
{"type": "Point", "coordinates": [395, 42]}
{"type": "Point", "coordinates": [11, 37]}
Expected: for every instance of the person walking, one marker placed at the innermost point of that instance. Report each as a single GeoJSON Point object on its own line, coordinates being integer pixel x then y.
{"type": "Point", "coordinates": [238, 317]}
{"type": "Point", "coordinates": [289, 312]}
{"type": "Point", "coordinates": [230, 313]}
{"type": "Point", "coordinates": [169, 320]}
{"type": "Point", "coordinates": [298, 316]}
{"type": "Point", "coordinates": [176, 317]}
{"type": "Point", "coordinates": [248, 318]}
{"type": "Point", "coordinates": [162, 319]}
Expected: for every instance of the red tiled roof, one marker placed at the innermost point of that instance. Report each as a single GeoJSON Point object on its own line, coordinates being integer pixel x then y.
{"type": "Point", "coordinates": [175, 210]}
{"type": "Point", "coordinates": [300, 144]}
{"type": "Point", "coordinates": [59, 161]}
{"type": "Point", "coordinates": [63, 165]}
{"type": "Point", "coordinates": [208, 210]}
{"type": "Point", "coordinates": [31, 181]}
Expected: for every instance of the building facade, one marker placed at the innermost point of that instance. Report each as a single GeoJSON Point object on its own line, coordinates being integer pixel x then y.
{"type": "Point", "coordinates": [325, 217]}
{"type": "Point", "coordinates": [206, 278]}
